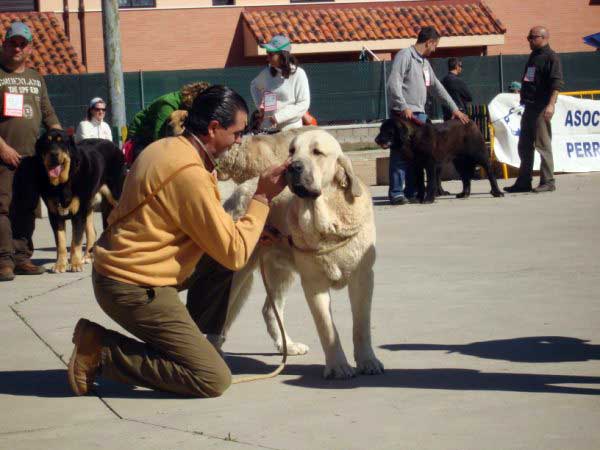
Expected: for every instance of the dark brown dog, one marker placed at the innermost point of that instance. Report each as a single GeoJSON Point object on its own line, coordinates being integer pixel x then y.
{"type": "Point", "coordinates": [430, 145]}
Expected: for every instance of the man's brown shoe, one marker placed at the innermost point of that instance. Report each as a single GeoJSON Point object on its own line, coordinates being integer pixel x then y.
{"type": "Point", "coordinates": [28, 268]}
{"type": "Point", "coordinates": [6, 273]}
{"type": "Point", "coordinates": [86, 357]}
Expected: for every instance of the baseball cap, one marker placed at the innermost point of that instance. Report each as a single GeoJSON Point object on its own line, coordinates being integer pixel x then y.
{"type": "Point", "coordinates": [19, 29]}
{"type": "Point", "coordinates": [96, 100]}
{"type": "Point", "coordinates": [515, 86]}
{"type": "Point", "coordinates": [277, 44]}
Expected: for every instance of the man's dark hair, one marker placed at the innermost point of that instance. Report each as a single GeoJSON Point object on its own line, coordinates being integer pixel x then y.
{"type": "Point", "coordinates": [426, 34]}
{"type": "Point", "coordinates": [453, 63]}
{"type": "Point", "coordinates": [218, 103]}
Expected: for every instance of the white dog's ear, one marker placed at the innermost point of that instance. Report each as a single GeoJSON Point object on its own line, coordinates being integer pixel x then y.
{"type": "Point", "coordinates": [345, 176]}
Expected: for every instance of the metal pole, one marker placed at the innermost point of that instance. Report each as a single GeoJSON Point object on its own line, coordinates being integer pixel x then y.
{"type": "Point", "coordinates": [66, 18]}
{"type": "Point", "coordinates": [385, 98]}
{"type": "Point", "coordinates": [81, 15]}
{"type": "Point", "coordinates": [112, 63]}
{"type": "Point", "coordinates": [142, 90]}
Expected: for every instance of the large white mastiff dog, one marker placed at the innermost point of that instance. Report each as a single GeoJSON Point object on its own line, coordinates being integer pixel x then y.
{"type": "Point", "coordinates": [328, 238]}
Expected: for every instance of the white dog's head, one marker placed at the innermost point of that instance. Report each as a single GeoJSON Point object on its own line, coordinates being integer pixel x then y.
{"type": "Point", "coordinates": [318, 163]}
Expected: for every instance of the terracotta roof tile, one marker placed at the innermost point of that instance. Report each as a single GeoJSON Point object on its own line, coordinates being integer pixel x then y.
{"type": "Point", "coordinates": [375, 21]}
{"type": "Point", "coordinates": [52, 51]}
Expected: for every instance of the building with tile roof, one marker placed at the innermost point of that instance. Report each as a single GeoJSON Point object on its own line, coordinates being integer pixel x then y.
{"type": "Point", "coordinates": [199, 34]}
{"type": "Point", "coordinates": [377, 26]}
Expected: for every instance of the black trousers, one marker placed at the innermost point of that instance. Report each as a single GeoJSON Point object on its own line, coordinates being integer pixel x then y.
{"type": "Point", "coordinates": [19, 197]}
{"type": "Point", "coordinates": [208, 295]}
{"type": "Point", "coordinates": [536, 134]}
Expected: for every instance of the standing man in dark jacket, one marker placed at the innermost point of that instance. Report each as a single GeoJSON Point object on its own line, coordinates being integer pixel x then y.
{"type": "Point", "coordinates": [542, 80]}
{"type": "Point", "coordinates": [24, 106]}
{"type": "Point", "coordinates": [456, 87]}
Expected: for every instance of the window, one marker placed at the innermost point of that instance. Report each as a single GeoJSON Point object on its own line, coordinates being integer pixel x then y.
{"type": "Point", "coordinates": [137, 3]}
{"type": "Point", "coordinates": [18, 5]}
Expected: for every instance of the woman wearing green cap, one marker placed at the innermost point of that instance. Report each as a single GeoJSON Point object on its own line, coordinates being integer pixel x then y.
{"type": "Point", "coordinates": [280, 91]}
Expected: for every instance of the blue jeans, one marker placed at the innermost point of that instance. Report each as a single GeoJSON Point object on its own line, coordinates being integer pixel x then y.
{"type": "Point", "coordinates": [402, 183]}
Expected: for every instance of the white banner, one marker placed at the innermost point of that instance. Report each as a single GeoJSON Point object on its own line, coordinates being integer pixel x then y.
{"type": "Point", "coordinates": [575, 133]}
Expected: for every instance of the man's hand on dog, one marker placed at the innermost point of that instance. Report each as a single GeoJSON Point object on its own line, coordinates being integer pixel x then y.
{"type": "Point", "coordinates": [9, 155]}
{"type": "Point", "coordinates": [269, 236]}
{"type": "Point", "coordinates": [404, 114]}
{"type": "Point", "coordinates": [271, 182]}
{"type": "Point", "coordinates": [460, 116]}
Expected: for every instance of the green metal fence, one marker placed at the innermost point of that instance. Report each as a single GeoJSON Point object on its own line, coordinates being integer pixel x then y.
{"type": "Point", "coordinates": [340, 92]}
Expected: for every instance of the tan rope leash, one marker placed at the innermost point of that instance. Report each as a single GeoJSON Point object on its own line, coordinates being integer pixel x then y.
{"type": "Point", "coordinates": [236, 380]}
{"type": "Point", "coordinates": [278, 370]}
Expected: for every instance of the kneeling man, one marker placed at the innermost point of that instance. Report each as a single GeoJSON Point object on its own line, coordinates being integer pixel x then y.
{"type": "Point", "coordinates": [168, 217]}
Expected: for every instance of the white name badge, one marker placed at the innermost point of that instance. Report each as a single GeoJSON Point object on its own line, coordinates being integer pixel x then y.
{"type": "Point", "coordinates": [13, 105]}
{"type": "Point", "coordinates": [530, 74]}
{"type": "Point", "coordinates": [270, 101]}
{"type": "Point", "coordinates": [427, 76]}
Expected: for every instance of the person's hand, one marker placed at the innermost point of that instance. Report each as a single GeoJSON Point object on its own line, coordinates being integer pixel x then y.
{"type": "Point", "coordinates": [9, 155]}
{"type": "Point", "coordinates": [548, 112]}
{"type": "Point", "coordinates": [272, 182]}
{"type": "Point", "coordinates": [460, 116]}
{"type": "Point", "coordinates": [273, 121]}
{"type": "Point", "coordinates": [404, 114]}
{"type": "Point", "coordinates": [261, 112]}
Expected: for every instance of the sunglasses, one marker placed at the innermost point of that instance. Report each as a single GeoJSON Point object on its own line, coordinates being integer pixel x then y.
{"type": "Point", "coordinates": [99, 109]}
{"type": "Point", "coordinates": [531, 37]}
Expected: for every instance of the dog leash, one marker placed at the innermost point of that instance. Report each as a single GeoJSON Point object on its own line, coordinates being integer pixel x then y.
{"type": "Point", "coordinates": [147, 199]}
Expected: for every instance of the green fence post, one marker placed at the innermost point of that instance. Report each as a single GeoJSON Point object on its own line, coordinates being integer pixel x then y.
{"type": "Point", "coordinates": [141, 89]}
{"type": "Point", "coordinates": [385, 98]}
{"type": "Point", "coordinates": [501, 73]}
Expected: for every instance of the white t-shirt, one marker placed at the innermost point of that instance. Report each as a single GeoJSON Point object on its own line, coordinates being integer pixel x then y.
{"type": "Point", "coordinates": [92, 129]}
{"type": "Point", "coordinates": [293, 97]}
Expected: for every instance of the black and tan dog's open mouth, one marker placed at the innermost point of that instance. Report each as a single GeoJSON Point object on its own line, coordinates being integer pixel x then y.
{"type": "Point", "coordinates": [55, 171]}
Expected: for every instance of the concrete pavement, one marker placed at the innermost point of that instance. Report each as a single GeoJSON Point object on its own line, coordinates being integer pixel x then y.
{"type": "Point", "coordinates": [485, 314]}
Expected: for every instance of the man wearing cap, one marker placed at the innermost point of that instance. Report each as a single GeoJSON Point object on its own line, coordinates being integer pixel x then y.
{"type": "Point", "coordinates": [280, 91]}
{"type": "Point", "coordinates": [94, 127]}
{"type": "Point", "coordinates": [24, 106]}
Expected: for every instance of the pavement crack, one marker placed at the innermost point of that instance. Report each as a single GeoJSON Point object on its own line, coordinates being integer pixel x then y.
{"type": "Point", "coordinates": [29, 297]}
{"type": "Point", "coordinates": [28, 325]}
{"type": "Point", "coordinates": [228, 438]}
{"type": "Point", "coordinates": [58, 355]}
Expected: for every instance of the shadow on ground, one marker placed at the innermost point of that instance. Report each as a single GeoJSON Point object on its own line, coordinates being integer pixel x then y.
{"type": "Point", "coordinates": [535, 349]}
{"type": "Point", "coordinates": [53, 383]}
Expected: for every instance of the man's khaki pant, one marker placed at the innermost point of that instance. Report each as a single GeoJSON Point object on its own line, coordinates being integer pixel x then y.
{"type": "Point", "coordinates": [536, 133]}
{"type": "Point", "coordinates": [174, 355]}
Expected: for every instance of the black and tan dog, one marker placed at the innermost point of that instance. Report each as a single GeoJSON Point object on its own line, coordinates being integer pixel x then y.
{"type": "Point", "coordinates": [429, 146]}
{"type": "Point", "coordinates": [76, 174]}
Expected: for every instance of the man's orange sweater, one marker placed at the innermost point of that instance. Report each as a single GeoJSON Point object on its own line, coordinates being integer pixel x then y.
{"type": "Point", "coordinates": [160, 244]}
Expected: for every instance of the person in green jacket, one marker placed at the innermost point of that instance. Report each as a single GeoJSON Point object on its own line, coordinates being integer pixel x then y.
{"type": "Point", "coordinates": [151, 123]}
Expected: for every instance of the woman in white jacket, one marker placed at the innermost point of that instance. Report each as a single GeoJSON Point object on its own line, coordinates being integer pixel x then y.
{"type": "Point", "coordinates": [94, 127]}
{"type": "Point", "coordinates": [280, 91]}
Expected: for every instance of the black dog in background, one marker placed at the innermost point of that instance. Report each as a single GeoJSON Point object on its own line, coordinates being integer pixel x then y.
{"type": "Point", "coordinates": [76, 173]}
{"type": "Point", "coordinates": [428, 146]}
